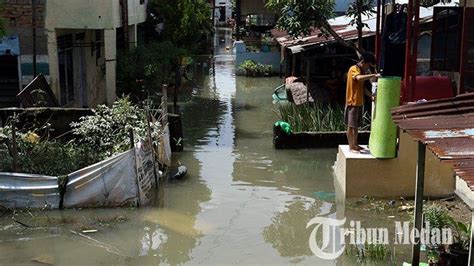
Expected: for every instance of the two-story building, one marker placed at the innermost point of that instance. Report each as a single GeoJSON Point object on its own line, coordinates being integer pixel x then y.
{"type": "Point", "coordinates": [76, 44]}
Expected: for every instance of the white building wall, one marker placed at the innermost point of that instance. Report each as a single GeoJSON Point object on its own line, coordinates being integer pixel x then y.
{"type": "Point", "coordinates": [228, 9]}
{"type": "Point", "coordinates": [64, 16]}
{"type": "Point", "coordinates": [91, 14]}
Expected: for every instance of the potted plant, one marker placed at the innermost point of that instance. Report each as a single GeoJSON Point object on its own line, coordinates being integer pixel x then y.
{"type": "Point", "coordinates": [459, 249]}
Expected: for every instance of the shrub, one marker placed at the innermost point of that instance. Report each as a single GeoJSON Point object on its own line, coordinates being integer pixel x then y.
{"type": "Point", "coordinates": [254, 69]}
{"type": "Point", "coordinates": [142, 70]}
{"type": "Point", "coordinates": [98, 136]}
{"type": "Point", "coordinates": [317, 117]}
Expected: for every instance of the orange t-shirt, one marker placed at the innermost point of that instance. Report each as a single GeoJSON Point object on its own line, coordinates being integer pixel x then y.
{"type": "Point", "coordinates": [354, 88]}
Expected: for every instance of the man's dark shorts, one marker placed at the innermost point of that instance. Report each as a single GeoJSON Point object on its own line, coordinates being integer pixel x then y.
{"type": "Point", "coordinates": [353, 116]}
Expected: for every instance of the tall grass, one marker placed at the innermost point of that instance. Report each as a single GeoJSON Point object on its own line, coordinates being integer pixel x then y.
{"type": "Point", "coordinates": [311, 117]}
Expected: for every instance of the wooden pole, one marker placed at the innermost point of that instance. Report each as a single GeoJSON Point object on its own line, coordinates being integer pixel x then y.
{"type": "Point", "coordinates": [132, 146]}
{"type": "Point", "coordinates": [308, 73]}
{"type": "Point", "coordinates": [420, 185]}
{"type": "Point", "coordinates": [164, 105]}
{"type": "Point", "coordinates": [153, 155]}
{"type": "Point", "coordinates": [132, 138]}
{"type": "Point", "coordinates": [14, 148]}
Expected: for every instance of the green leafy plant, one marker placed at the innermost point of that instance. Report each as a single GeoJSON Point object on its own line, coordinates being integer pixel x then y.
{"type": "Point", "coordinates": [108, 128]}
{"type": "Point", "coordinates": [437, 218]}
{"type": "Point", "coordinates": [43, 156]}
{"type": "Point", "coordinates": [252, 68]}
{"type": "Point", "coordinates": [369, 252]}
{"type": "Point", "coordinates": [315, 117]}
{"type": "Point", "coordinates": [98, 136]}
{"type": "Point", "coordinates": [185, 23]}
{"type": "Point", "coordinates": [300, 17]}
{"type": "Point", "coordinates": [356, 10]}
{"type": "Point", "coordinates": [142, 70]}
{"type": "Point", "coordinates": [462, 234]}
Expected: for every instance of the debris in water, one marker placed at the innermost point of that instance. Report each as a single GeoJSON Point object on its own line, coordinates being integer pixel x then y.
{"type": "Point", "coordinates": [180, 173]}
{"type": "Point", "coordinates": [326, 196]}
{"type": "Point", "coordinates": [392, 203]}
{"type": "Point", "coordinates": [44, 259]}
{"type": "Point", "coordinates": [90, 231]}
{"type": "Point", "coordinates": [406, 208]}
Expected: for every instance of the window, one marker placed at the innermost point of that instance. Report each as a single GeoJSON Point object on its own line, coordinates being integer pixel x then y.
{"type": "Point", "coordinates": [66, 72]}
{"type": "Point", "coordinates": [447, 25]}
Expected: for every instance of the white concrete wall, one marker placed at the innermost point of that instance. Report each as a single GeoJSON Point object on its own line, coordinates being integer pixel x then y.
{"type": "Point", "coordinates": [91, 14]}
{"type": "Point", "coordinates": [359, 175]}
{"type": "Point", "coordinates": [136, 12]}
{"type": "Point", "coordinates": [72, 16]}
{"type": "Point", "coordinates": [83, 14]}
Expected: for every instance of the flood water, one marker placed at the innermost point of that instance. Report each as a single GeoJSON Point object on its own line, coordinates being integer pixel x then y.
{"type": "Point", "coordinates": [242, 203]}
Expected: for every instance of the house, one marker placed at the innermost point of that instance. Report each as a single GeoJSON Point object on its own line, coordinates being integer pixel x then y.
{"type": "Point", "coordinates": [223, 12]}
{"type": "Point", "coordinates": [76, 44]}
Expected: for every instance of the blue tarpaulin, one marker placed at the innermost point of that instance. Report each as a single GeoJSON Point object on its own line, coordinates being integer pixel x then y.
{"type": "Point", "coordinates": [9, 45]}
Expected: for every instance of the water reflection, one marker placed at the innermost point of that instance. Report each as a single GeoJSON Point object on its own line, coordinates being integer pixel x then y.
{"type": "Point", "coordinates": [288, 233]}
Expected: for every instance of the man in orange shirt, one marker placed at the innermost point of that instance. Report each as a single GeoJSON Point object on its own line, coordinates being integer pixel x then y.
{"type": "Point", "coordinates": [356, 76]}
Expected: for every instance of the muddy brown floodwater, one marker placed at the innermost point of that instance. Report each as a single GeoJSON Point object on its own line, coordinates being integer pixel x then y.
{"type": "Point", "coordinates": [243, 202]}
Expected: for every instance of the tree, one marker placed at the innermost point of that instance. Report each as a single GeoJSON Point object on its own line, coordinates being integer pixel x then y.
{"type": "Point", "coordinates": [356, 10]}
{"type": "Point", "coordinates": [142, 70]}
{"type": "Point", "coordinates": [299, 17]}
{"type": "Point", "coordinates": [184, 22]}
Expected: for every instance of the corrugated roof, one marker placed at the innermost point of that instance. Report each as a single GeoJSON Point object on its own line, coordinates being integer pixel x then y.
{"type": "Point", "coordinates": [342, 25]}
{"type": "Point", "coordinates": [446, 127]}
{"type": "Point", "coordinates": [316, 37]}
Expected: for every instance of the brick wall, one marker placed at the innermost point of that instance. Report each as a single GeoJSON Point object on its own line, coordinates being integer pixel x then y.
{"type": "Point", "coordinates": [17, 16]}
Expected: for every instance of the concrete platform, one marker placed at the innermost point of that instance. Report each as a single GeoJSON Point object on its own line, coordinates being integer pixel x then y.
{"type": "Point", "coordinates": [464, 192]}
{"type": "Point", "coordinates": [359, 175]}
